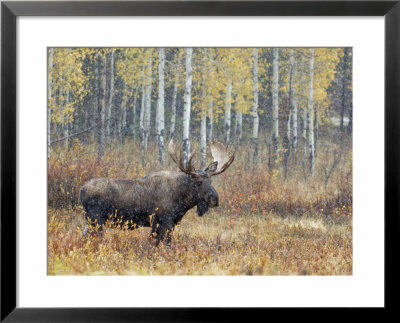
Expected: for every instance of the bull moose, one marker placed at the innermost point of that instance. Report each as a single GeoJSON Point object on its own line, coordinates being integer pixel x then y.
{"type": "Point", "coordinates": [159, 200]}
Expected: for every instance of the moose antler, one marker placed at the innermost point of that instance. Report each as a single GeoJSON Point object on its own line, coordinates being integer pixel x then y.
{"type": "Point", "coordinates": [190, 169]}
{"type": "Point", "coordinates": [222, 156]}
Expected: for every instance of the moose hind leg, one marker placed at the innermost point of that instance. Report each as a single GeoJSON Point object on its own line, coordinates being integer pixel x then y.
{"type": "Point", "coordinates": [91, 224]}
{"type": "Point", "coordinates": [96, 217]}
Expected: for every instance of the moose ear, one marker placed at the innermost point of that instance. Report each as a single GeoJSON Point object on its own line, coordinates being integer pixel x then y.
{"type": "Point", "coordinates": [212, 167]}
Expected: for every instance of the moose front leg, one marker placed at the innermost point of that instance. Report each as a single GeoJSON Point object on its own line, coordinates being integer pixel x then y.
{"type": "Point", "coordinates": [162, 231]}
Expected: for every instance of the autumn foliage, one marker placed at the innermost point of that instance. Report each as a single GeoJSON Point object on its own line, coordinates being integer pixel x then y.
{"type": "Point", "coordinates": [265, 224]}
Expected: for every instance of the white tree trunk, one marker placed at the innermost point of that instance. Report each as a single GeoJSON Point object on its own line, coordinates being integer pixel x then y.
{"type": "Point", "coordinates": [238, 126]}
{"type": "Point", "coordinates": [294, 104]}
{"type": "Point", "coordinates": [187, 105]}
{"type": "Point", "coordinates": [311, 114]}
{"type": "Point", "coordinates": [102, 106]}
{"type": "Point", "coordinates": [173, 108]}
{"type": "Point", "coordinates": [111, 94]}
{"type": "Point", "coordinates": [275, 103]}
{"type": "Point", "coordinates": [255, 107]}
{"type": "Point", "coordinates": [210, 117]}
{"type": "Point", "coordinates": [203, 123]}
{"type": "Point", "coordinates": [95, 111]}
{"type": "Point", "coordinates": [147, 102]}
{"type": "Point", "coordinates": [287, 137]}
{"type": "Point", "coordinates": [316, 129]}
{"type": "Point", "coordinates": [304, 114]}
{"type": "Point", "coordinates": [203, 139]}
{"type": "Point", "coordinates": [66, 124]}
{"type": "Point", "coordinates": [122, 121]}
{"type": "Point", "coordinates": [141, 115]}
{"type": "Point", "coordinates": [228, 108]}
{"type": "Point", "coordinates": [135, 96]}
{"type": "Point", "coordinates": [160, 107]}
{"type": "Point", "coordinates": [49, 95]}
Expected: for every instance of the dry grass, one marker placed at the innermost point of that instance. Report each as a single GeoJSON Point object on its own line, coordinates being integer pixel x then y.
{"type": "Point", "coordinates": [265, 225]}
{"type": "Point", "coordinates": [211, 245]}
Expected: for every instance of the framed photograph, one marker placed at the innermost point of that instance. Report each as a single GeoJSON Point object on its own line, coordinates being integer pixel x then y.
{"type": "Point", "coordinates": [242, 154]}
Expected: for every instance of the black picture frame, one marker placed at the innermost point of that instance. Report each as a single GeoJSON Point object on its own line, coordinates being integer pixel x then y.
{"type": "Point", "coordinates": [10, 10]}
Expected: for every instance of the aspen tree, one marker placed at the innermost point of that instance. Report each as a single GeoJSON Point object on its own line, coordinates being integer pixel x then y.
{"type": "Point", "coordinates": [173, 107]}
{"type": "Point", "coordinates": [210, 118]}
{"type": "Point", "coordinates": [66, 122]}
{"type": "Point", "coordinates": [255, 108]}
{"type": "Point", "coordinates": [187, 105]}
{"type": "Point", "coordinates": [203, 139]}
{"type": "Point", "coordinates": [111, 93]}
{"type": "Point", "coordinates": [141, 116]}
{"type": "Point", "coordinates": [275, 103]}
{"type": "Point", "coordinates": [238, 125]}
{"type": "Point", "coordinates": [49, 96]}
{"type": "Point", "coordinates": [311, 113]}
{"type": "Point", "coordinates": [228, 106]}
{"type": "Point", "coordinates": [160, 107]}
{"type": "Point", "coordinates": [203, 122]}
{"type": "Point", "coordinates": [135, 97]}
{"type": "Point", "coordinates": [305, 114]}
{"type": "Point", "coordinates": [294, 104]}
{"type": "Point", "coordinates": [122, 117]}
{"type": "Point", "coordinates": [287, 137]}
{"type": "Point", "coordinates": [147, 100]}
{"type": "Point", "coordinates": [101, 105]}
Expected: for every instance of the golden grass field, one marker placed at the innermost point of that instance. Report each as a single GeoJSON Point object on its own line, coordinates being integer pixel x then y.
{"type": "Point", "coordinates": [265, 225]}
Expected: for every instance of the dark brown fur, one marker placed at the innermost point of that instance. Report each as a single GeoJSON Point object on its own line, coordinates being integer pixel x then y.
{"type": "Point", "coordinates": [159, 200]}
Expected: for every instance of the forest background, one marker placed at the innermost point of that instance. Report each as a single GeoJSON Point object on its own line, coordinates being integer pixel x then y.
{"type": "Point", "coordinates": [286, 202]}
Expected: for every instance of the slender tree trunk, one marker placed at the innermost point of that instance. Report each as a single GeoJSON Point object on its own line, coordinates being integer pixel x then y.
{"type": "Point", "coordinates": [49, 96]}
{"type": "Point", "coordinates": [187, 106]}
{"type": "Point", "coordinates": [348, 100]}
{"type": "Point", "coordinates": [275, 104]}
{"type": "Point", "coordinates": [255, 108]}
{"type": "Point", "coordinates": [228, 107]}
{"type": "Point", "coordinates": [305, 115]}
{"type": "Point", "coordinates": [60, 111]}
{"type": "Point", "coordinates": [210, 117]}
{"type": "Point", "coordinates": [316, 129]}
{"type": "Point", "coordinates": [141, 117]}
{"type": "Point", "coordinates": [135, 95]}
{"type": "Point", "coordinates": [287, 145]}
{"type": "Point", "coordinates": [122, 120]}
{"type": "Point", "coordinates": [160, 107]}
{"type": "Point", "coordinates": [311, 114]}
{"type": "Point", "coordinates": [101, 106]}
{"type": "Point", "coordinates": [86, 119]}
{"type": "Point", "coordinates": [66, 124]}
{"type": "Point", "coordinates": [294, 106]}
{"type": "Point", "coordinates": [203, 123]}
{"type": "Point", "coordinates": [287, 137]}
{"type": "Point", "coordinates": [203, 139]}
{"type": "Point", "coordinates": [238, 126]}
{"type": "Point", "coordinates": [343, 107]}
{"type": "Point", "coordinates": [111, 94]}
{"type": "Point", "coordinates": [94, 115]}
{"type": "Point", "coordinates": [147, 103]}
{"type": "Point", "coordinates": [350, 125]}
{"type": "Point", "coordinates": [173, 108]}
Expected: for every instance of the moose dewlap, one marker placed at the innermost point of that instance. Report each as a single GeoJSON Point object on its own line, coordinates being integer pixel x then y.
{"type": "Point", "coordinates": [159, 200]}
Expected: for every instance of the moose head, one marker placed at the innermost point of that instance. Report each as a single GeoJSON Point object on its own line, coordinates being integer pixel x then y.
{"type": "Point", "coordinates": [205, 193]}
